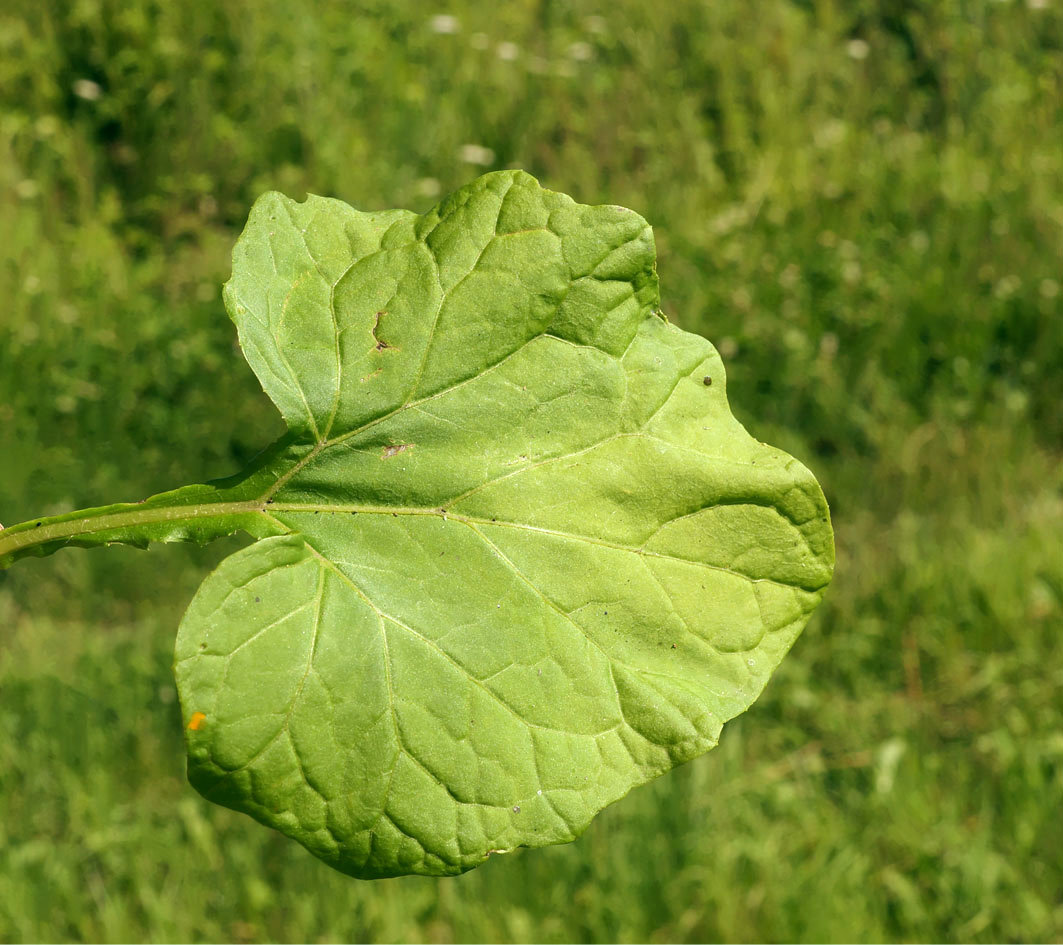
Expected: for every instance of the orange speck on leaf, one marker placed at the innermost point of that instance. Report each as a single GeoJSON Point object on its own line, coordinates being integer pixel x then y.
{"type": "Point", "coordinates": [196, 721]}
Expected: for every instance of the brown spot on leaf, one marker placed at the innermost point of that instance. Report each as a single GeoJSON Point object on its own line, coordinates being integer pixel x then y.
{"type": "Point", "coordinates": [381, 344]}
{"type": "Point", "coordinates": [395, 449]}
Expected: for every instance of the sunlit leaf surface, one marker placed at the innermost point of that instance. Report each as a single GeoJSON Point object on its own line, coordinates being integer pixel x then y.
{"type": "Point", "coordinates": [515, 554]}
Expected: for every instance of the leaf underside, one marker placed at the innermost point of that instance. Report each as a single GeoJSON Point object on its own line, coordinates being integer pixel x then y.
{"type": "Point", "coordinates": [515, 554]}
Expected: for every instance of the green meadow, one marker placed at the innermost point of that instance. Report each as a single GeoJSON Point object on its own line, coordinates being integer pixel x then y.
{"type": "Point", "coordinates": [860, 204]}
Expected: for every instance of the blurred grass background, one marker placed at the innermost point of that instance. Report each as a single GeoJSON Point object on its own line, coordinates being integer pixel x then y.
{"type": "Point", "coordinates": [860, 203]}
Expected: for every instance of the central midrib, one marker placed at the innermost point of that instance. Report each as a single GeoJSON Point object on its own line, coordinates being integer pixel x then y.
{"type": "Point", "coordinates": [267, 508]}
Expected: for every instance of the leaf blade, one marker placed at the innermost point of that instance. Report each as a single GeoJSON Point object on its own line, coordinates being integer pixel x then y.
{"type": "Point", "coordinates": [546, 562]}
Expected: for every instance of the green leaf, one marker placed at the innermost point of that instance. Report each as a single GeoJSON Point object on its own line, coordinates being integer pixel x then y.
{"type": "Point", "coordinates": [516, 556]}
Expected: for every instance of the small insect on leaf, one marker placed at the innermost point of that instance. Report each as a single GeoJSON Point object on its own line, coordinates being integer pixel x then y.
{"type": "Point", "coordinates": [196, 722]}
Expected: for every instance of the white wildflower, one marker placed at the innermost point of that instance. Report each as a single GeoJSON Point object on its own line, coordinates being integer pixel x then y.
{"type": "Point", "coordinates": [87, 89]}
{"type": "Point", "coordinates": [476, 154]}
{"type": "Point", "coordinates": [857, 49]}
{"type": "Point", "coordinates": [444, 24]}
